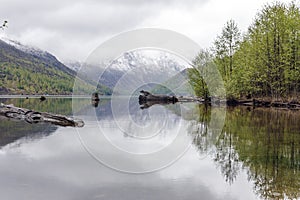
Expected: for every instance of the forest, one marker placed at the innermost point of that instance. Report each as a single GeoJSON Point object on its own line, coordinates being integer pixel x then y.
{"type": "Point", "coordinates": [263, 62]}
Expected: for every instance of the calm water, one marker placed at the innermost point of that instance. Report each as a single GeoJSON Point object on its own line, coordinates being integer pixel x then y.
{"type": "Point", "coordinates": [181, 151]}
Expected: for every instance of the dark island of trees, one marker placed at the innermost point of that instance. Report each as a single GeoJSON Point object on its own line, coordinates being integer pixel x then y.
{"type": "Point", "coordinates": [263, 63]}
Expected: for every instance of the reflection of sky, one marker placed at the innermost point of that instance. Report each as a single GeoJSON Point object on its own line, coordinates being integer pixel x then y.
{"type": "Point", "coordinates": [58, 167]}
{"type": "Point", "coordinates": [142, 134]}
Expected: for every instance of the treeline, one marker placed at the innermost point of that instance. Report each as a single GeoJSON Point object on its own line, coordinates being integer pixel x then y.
{"type": "Point", "coordinates": [29, 74]}
{"type": "Point", "coordinates": [20, 80]}
{"type": "Point", "coordinates": [262, 63]}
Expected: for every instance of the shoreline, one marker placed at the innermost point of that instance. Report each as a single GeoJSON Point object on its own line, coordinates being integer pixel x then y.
{"type": "Point", "coordinates": [263, 103]}
{"type": "Point", "coordinates": [214, 101]}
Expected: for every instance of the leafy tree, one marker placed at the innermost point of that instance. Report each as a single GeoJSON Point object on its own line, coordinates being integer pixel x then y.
{"type": "Point", "coordinates": [266, 61]}
{"type": "Point", "coordinates": [196, 75]}
{"type": "Point", "coordinates": [225, 46]}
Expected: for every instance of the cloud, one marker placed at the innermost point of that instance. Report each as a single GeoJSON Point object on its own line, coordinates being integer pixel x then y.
{"type": "Point", "coordinates": [203, 23]}
{"type": "Point", "coordinates": [71, 29]}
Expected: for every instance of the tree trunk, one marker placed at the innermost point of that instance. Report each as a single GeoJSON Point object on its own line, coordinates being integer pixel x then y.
{"type": "Point", "coordinates": [32, 116]}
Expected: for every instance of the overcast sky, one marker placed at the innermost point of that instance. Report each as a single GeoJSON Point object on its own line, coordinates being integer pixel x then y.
{"type": "Point", "coordinates": [71, 29]}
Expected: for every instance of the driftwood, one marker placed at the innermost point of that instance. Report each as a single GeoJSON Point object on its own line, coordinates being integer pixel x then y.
{"type": "Point", "coordinates": [148, 97]}
{"type": "Point", "coordinates": [32, 116]}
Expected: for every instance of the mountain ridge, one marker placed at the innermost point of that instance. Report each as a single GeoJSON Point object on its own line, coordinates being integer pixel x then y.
{"type": "Point", "coordinates": [39, 54]}
{"type": "Point", "coordinates": [26, 70]}
{"type": "Point", "coordinates": [137, 68]}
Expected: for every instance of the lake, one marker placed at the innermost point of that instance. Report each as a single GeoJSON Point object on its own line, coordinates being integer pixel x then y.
{"type": "Point", "coordinates": [174, 151]}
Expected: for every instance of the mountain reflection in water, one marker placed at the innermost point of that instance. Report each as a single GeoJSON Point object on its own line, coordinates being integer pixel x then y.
{"type": "Point", "coordinates": [256, 149]}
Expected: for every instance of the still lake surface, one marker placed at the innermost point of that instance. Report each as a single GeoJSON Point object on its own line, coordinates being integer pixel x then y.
{"type": "Point", "coordinates": [180, 151]}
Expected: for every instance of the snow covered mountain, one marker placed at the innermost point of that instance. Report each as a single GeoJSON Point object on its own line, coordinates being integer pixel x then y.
{"type": "Point", "coordinates": [74, 65]}
{"type": "Point", "coordinates": [141, 69]}
{"type": "Point", "coordinates": [147, 58]}
{"type": "Point", "coordinates": [25, 48]}
{"type": "Point", "coordinates": [28, 70]}
{"type": "Point", "coordinates": [38, 54]}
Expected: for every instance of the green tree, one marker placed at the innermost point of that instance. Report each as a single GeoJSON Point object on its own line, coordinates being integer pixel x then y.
{"type": "Point", "coordinates": [292, 60]}
{"type": "Point", "coordinates": [198, 73]}
{"type": "Point", "coordinates": [266, 63]}
{"type": "Point", "coordinates": [225, 46]}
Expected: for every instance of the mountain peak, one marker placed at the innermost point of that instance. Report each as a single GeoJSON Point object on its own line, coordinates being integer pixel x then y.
{"type": "Point", "coordinates": [155, 59]}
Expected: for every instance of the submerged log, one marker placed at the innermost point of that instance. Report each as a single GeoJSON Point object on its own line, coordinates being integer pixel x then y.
{"type": "Point", "coordinates": [32, 116]}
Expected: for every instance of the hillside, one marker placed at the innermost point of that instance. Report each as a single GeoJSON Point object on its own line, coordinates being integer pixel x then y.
{"type": "Point", "coordinates": [27, 70]}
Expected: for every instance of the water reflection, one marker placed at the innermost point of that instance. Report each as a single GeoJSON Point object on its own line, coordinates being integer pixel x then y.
{"type": "Point", "coordinates": [265, 142]}
{"type": "Point", "coordinates": [257, 148]}
{"type": "Point", "coordinates": [146, 105]}
{"type": "Point", "coordinates": [14, 130]}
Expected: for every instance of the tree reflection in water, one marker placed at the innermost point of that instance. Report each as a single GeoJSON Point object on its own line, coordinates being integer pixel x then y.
{"type": "Point", "coordinates": [265, 142]}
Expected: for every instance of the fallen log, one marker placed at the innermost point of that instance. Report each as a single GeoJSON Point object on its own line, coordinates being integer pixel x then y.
{"type": "Point", "coordinates": [146, 99]}
{"type": "Point", "coordinates": [32, 116]}
{"type": "Point", "coordinates": [147, 96]}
